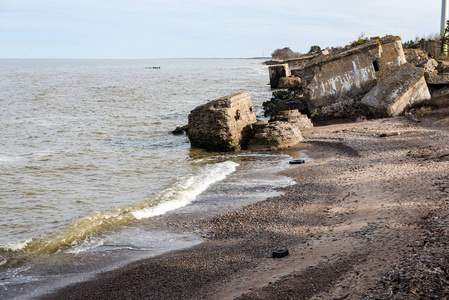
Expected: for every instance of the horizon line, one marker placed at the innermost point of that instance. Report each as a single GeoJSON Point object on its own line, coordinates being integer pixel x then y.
{"type": "Point", "coordinates": [59, 58]}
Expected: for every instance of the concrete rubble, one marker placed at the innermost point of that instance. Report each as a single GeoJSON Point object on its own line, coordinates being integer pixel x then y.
{"type": "Point", "coordinates": [371, 78]}
{"type": "Point", "coordinates": [283, 131]}
{"type": "Point", "coordinates": [396, 93]}
{"type": "Point", "coordinates": [333, 85]}
{"type": "Point", "coordinates": [229, 124]}
{"type": "Point", "coordinates": [277, 72]}
{"type": "Point", "coordinates": [224, 124]}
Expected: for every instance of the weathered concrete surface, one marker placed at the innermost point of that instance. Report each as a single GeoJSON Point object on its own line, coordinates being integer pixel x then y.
{"type": "Point", "coordinates": [416, 57]}
{"type": "Point", "coordinates": [289, 82]}
{"type": "Point", "coordinates": [274, 135]}
{"type": "Point", "coordinates": [293, 116]}
{"type": "Point", "coordinates": [294, 64]}
{"type": "Point", "coordinates": [332, 79]}
{"type": "Point", "coordinates": [437, 78]}
{"type": "Point", "coordinates": [399, 91]}
{"type": "Point", "coordinates": [224, 124]}
{"type": "Point", "coordinates": [283, 131]}
{"type": "Point", "coordinates": [277, 72]}
{"type": "Point", "coordinates": [334, 82]}
{"type": "Point", "coordinates": [391, 58]}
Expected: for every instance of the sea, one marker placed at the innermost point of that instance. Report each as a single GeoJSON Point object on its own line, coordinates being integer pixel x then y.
{"type": "Point", "coordinates": [88, 163]}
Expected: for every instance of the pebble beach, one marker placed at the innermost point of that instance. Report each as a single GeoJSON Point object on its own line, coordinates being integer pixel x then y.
{"type": "Point", "coordinates": [366, 219]}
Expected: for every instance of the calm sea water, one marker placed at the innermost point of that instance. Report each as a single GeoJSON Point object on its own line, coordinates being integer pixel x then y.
{"type": "Point", "coordinates": [87, 158]}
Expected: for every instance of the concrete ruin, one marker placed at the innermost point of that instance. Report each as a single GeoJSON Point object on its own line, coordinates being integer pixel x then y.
{"type": "Point", "coordinates": [281, 132]}
{"type": "Point", "coordinates": [224, 124]}
{"type": "Point", "coordinates": [334, 83]}
{"type": "Point", "coordinates": [277, 72]}
{"type": "Point", "coordinates": [401, 90]}
{"type": "Point", "coordinates": [229, 124]}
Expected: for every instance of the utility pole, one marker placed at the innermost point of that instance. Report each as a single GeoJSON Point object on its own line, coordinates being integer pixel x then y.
{"type": "Point", "coordinates": [443, 33]}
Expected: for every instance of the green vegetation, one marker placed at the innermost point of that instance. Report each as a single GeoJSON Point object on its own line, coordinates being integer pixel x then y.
{"type": "Point", "coordinates": [314, 50]}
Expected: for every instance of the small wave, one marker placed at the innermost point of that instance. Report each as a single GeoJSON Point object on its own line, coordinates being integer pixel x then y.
{"type": "Point", "coordinates": [84, 229]}
{"type": "Point", "coordinates": [17, 246]}
{"type": "Point", "coordinates": [187, 190]}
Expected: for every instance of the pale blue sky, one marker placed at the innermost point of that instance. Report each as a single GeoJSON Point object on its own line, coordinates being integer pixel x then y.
{"type": "Point", "coordinates": [201, 28]}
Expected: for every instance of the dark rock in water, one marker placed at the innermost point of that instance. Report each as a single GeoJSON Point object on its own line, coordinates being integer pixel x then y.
{"type": "Point", "coordinates": [280, 253]}
{"type": "Point", "coordinates": [283, 94]}
{"type": "Point", "coordinates": [181, 130]}
{"type": "Point", "coordinates": [272, 107]}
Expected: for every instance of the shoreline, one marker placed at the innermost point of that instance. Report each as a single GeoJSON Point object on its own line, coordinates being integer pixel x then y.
{"type": "Point", "coordinates": [355, 214]}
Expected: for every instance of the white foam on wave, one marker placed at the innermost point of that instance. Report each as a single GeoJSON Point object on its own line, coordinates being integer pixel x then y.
{"type": "Point", "coordinates": [187, 190]}
{"type": "Point", "coordinates": [16, 246]}
{"type": "Point", "coordinates": [82, 234]}
{"type": "Point", "coordinates": [86, 245]}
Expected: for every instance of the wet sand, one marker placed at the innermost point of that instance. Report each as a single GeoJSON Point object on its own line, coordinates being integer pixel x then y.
{"type": "Point", "coordinates": [367, 219]}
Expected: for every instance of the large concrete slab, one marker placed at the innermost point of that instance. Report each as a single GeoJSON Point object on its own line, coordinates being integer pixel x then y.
{"type": "Point", "coordinates": [391, 97]}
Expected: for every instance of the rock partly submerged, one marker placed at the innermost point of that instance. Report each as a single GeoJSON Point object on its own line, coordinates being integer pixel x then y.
{"type": "Point", "coordinates": [229, 124]}
{"type": "Point", "coordinates": [224, 124]}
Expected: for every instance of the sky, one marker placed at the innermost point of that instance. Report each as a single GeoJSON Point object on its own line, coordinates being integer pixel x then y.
{"type": "Point", "coordinates": [134, 29]}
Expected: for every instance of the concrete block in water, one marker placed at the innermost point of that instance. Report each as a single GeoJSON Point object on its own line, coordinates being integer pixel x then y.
{"type": "Point", "coordinates": [277, 72]}
{"type": "Point", "coordinates": [224, 124]}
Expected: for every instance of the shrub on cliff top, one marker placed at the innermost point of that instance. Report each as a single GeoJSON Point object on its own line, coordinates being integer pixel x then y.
{"type": "Point", "coordinates": [284, 53]}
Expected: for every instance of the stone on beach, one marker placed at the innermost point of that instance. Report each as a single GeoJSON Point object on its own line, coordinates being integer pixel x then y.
{"type": "Point", "coordinates": [224, 124]}
{"type": "Point", "coordinates": [283, 131]}
{"type": "Point", "coordinates": [396, 93]}
{"type": "Point", "coordinates": [274, 135]}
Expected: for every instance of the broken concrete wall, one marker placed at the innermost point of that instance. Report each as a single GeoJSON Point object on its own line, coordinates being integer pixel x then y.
{"type": "Point", "coordinates": [401, 90]}
{"type": "Point", "coordinates": [335, 79]}
{"type": "Point", "coordinates": [392, 57]}
{"type": "Point", "coordinates": [224, 124]}
{"type": "Point", "coordinates": [276, 73]}
{"type": "Point", "coordinates": [334, 83]}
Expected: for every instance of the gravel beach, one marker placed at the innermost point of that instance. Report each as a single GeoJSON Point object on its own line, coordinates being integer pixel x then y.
{"type": "Point", "coordinates": [367, 219]}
